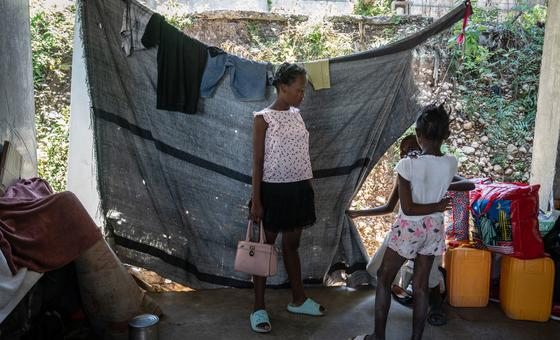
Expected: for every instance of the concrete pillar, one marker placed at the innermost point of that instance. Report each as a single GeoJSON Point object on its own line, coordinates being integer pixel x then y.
{"type": "Point", "coordinates": [17, 106]}
{"type": "Point", "coordinates": [547, 125]}
{"type": "Point", "coordinates": [557, 181]}
{"type": "Point", "coordinates": [82, 171]}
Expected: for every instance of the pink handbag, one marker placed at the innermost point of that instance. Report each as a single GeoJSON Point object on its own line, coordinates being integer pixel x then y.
{"type": "Point", "coordinates": [256, 258]}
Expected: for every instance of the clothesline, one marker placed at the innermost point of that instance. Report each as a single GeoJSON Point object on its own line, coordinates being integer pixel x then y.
{"type": "Point", "coordinates": [179, 86]}
{"type": "Point", "coordinates": [189, 69]}
{"type": "Point", "coordinates": [141, 14]}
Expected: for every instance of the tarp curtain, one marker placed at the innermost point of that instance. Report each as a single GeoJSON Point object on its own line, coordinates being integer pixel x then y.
{"type": "Point", "coordinates": [174, 187]}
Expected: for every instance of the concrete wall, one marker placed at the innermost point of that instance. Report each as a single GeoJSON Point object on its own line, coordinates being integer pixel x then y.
{"type": "Point", "coordinates": [227, 27]}
{"type": "Point", "coordinates": [17, 108]}
{"type": "Point", "coordinates": [438, 8]}
{"type": "Point", "coordinates": [210, 5]}
{"type": "Point", "coordinates": [314, 7]}
{"type": "Point", "coordinates": [430, 8]}
{"type": "Point", "coordinates": [307, 7]}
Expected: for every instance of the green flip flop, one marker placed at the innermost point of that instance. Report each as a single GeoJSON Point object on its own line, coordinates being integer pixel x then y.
{"type": "Point", "coordinates": [260, 317]}
{"type": "Point", "coordinates": [309, 307]}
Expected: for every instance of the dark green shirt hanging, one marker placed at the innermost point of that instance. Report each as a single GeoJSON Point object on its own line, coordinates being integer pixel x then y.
{"type": "Point", "coordinates": [181, 61]}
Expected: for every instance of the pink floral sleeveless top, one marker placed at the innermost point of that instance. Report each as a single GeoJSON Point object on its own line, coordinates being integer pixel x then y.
{"type": "Point", "coordinates": [286, 147]}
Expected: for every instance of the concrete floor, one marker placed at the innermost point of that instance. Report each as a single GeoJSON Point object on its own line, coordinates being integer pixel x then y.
{"type": "Point", "coordinates": [224, 314]}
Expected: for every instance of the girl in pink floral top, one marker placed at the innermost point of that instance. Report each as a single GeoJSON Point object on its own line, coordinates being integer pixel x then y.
{"type": "Point", "coordinates": [283, 198]}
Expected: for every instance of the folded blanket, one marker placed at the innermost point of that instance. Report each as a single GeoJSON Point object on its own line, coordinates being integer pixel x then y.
{"type": "Point", "coordinates": [41, 230]}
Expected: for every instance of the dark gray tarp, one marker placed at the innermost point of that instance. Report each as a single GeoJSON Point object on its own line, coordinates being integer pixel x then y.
{"type": "Point", "coordinates": [174, 187]}
{"type": "Point", "coordinates": [17, 108]}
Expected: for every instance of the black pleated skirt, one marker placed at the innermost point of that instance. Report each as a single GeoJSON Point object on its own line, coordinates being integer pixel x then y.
{"type": "Point", "coordinates": [288, 206]}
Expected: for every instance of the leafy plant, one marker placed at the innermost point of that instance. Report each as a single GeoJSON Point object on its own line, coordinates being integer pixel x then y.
{"type": "Point", "coordinates": [453, 151]}
{"type": "Point", "coordinates": [51, 33]}
{"type": "Point", "coordinates": [51, 44]}
{"type": "Point", "coordinates": [176, 14]}
{"type": "Point", "coordinates": [298, 43]}
{"type": "Point", "coordinates": [372, 7]}
{"type": "Point", "coordinates": [180, 21]}
{"type": "Point", "coordinates": [497, 73]}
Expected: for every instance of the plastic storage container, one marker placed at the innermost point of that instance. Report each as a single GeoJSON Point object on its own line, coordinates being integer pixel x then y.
{"type": "Point", "coordinates": [526, 288]}
{"type": "Point", "coordinates": [468, 277]}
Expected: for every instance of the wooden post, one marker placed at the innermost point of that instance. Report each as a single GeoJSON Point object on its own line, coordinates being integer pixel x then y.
{"type": "Point", "coordinates": [547, 125]}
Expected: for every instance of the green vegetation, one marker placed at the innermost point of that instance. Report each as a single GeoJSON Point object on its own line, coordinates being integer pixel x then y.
{"type": "Point", "coordinates": [51, 44]}
{"type": "Point", "coordinates": [300, 43]}
{"type": "Point", "coordinates": [497, 74]}
{"type": "Point", "coordinates": [372, 7]}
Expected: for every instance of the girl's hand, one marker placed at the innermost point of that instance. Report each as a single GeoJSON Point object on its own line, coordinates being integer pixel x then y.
{"type": "Point", "coordinates": [256, 211]}
{"type": "Point", "coordinates": [444, 204]}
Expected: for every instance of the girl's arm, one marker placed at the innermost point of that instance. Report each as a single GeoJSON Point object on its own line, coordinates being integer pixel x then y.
{"type": "Point", "coordinates": [412, 209]}
{"type": "Point", "coordinates": [461, 184]}
{"type": "Point", "coordinates": [387, 208]}
{"type": "Point", "coordinates": [259, 133]}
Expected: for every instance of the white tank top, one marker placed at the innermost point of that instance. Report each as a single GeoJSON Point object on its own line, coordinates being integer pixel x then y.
{"type": "Point", "coordinates": [286, 147]}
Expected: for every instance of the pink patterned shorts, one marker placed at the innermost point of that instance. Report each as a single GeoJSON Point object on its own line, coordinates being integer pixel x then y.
{"type": "Point", "coordinates": [425, 237]}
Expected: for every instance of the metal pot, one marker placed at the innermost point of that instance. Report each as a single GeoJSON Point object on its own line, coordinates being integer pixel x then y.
{"type": "Point", "coordinates": [143, 327]}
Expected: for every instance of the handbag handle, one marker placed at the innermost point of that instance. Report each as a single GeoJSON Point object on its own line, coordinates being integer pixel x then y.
{"type": "Point", "coordinates": [249, 236]}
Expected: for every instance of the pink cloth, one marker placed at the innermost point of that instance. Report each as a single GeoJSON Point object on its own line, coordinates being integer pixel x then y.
{"type": "Point", "coordinates": [41, 230]}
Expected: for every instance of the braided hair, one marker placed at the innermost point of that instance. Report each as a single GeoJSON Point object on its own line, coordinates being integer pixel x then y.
{"type": "Point", "coordinates": [287, 74]}
{"type": "Point", "coordinates": [433, 123]}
